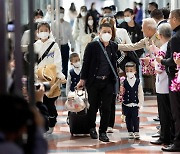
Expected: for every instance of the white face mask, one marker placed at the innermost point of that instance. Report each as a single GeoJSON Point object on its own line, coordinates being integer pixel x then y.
{"type": "Point", "coordinates": [108, 15]}
{"type": "Point", "coordinates": [119, 21]}
{"type": "Point", "coordinates": [61, 16]}
{"type": "Point", "coordinates": [43, 35]}
{"type": "Point", "coordinates": [39, 20]}
{"type": "Point", "coordinates": [77, 64]}
{"type": "Point", "coordinates": [130, 75]}
{"type": "Point", "coordinates": [127, 19]}
{"type": "Point", "coordinates": [83, 14]}
{"type": "Point", "coordinates": [90, 22]}
{"type": "Point", "coordinates": [106, 37]}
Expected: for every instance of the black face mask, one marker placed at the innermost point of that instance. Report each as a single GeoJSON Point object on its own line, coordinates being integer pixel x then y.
{"type": "Point", "coordinates": [149, 11]}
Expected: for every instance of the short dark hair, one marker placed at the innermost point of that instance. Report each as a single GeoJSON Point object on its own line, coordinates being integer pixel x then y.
{"type": "Point", "coordinates": [17, 111]}
{"type": "Point", "coordinates": [107, 8]}
{"type": "Point", "coordinates": [119, 14]}
{"type": "Point", "coordinates": [157, 14]}
{"type": "Point", "coordinates": [154, 4]}
{"type": "Point", "coordinates": [113, 7]}
{"type": "Point", "coordinates": [165, 12]}
{"type": "Point", "coordinates": [72, 55]}
{"type": "Point", "coordinates": [105, 25]}
{"type": "Point", "coordinates": [130, 64]}
{"type": "Point", "coordinates": [83, 8]}
{"type": "Point", "coordinates": [38, 12]}
{"type": "Point", "coordinates": [176, 13]}
{"type": "Point", "coordinates": [140, 4]}
{"type": "Point", "coordinates": [43, 24]}
{"type": "Point", "coordinates": [129, 10]}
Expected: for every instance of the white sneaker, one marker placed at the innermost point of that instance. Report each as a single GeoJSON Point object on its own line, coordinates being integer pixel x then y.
{"type": "Point", "coordinates": [131, 135]}
{"type": "Point", "coordinates": [110, 130]}
{"type": "Point", "coordinates": [136, 135]}
{"type": "Point", "coordinates": [50, 131]}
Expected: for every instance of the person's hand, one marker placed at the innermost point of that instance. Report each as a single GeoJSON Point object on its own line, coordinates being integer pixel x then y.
{"type": "Point", "coordinates": [146, 60]}
{"type": "Point", "coordinates": [153, 48]}
{"type": "Point", "coordinates": [39, 93]}
{"type": "Point", "coordinates": [72, 49]}
{"type": "Point", "coordinates": [80, 84]}
{"type": "Point", "coordinates": [158, 59]}
{"type": "Point", "coordinates": [157, 72]}
{"type": "Point", "coordinates": [122, 90]}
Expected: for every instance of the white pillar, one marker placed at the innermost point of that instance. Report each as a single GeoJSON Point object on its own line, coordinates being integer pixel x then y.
{"type": "Point", "coordinates": [57, 4]}
{"type": "Point", "coordinates": [123, 4]}
{"type": "Point", "coordinates": [52, 16]}
{"type": "Point", "coordinates": [175, 4]}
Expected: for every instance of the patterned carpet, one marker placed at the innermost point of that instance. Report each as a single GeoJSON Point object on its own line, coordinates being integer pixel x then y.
{"type": "Point", "coordinates": [61, 140]}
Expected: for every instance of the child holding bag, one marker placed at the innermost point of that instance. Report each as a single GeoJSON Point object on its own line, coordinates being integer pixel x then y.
{"type": "Point", "coordinates": [48, 53]}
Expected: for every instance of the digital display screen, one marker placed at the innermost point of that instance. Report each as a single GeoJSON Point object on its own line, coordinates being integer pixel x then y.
{"type": "Point", "coordinates": [10, 27]}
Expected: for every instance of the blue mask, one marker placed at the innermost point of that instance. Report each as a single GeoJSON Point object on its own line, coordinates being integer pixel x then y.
{"type": "Point", "coordinates": [119, 21]}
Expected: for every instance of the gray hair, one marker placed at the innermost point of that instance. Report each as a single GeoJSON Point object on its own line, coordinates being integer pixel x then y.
{"type": "Point", "coordinates": [165, 30]}
{"type": "Point", "coordinates": [150, 22]}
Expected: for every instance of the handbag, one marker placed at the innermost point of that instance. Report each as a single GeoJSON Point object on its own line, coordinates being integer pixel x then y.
{"type": "Point", "coordinates": [116, 90]}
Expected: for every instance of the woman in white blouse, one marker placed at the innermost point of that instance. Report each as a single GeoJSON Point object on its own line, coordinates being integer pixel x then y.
{"type": "Point", "coordinates": [79, 29]}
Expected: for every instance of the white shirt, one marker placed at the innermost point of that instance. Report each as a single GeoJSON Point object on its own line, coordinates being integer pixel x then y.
{"type": "Point", "coordinates": [53, 57]}
{"type": "Point", "coordinates": [162, 78]}
{"type": "Point", "coordinates": [78, 29]}
{"type": "Point", "coordinates": [140, 93]}
{"type": "Point", "coordinates": [123, 35]}
{"type": "Point", "coordinates": [65, 34]}
{"type": "Point", "coordinates": [47, 17]}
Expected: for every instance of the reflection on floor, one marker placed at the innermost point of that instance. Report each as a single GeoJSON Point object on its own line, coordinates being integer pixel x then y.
{"type": "Point", "coordinates": [61, 140]}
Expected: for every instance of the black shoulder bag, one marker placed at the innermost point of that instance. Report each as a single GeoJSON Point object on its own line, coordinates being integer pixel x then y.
{"type": "Point", "coordinates": [116, 90]}
{"type": "Point", "coordinates": [45, 53]}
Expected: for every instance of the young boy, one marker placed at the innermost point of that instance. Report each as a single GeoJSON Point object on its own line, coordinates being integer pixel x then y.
{"type": "Point", "coordinates": [132, 98]}
{"type": "Point", "coordinates": [74, 73]}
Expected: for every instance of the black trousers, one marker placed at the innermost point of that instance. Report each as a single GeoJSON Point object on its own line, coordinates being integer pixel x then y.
{"type": "Point", "coordinates": [165, 116]}
{"type": "Point", "coordinates": [65, 58]}
{"type": "Point", "coordinates": [175, 108]}
{"type": "Point", "coordinates": [50, 104]}
{"type": "Point", "coordinates": [113, 110]}
{"type": "Point", "coordinates": [100, 94]}
{"type": "Point", "coordinates": [132, 118]}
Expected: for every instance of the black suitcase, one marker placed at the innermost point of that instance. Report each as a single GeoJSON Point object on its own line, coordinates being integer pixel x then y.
{"type": "Point", "coordinates": [78, 122]}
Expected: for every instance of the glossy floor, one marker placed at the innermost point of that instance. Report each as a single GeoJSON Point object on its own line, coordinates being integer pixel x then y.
{"type": "Point", "coordinates": [61, 140]}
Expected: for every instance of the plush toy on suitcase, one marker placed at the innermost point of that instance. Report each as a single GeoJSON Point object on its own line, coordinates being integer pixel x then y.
{"type": "Point", "coordinates": [77, 105]}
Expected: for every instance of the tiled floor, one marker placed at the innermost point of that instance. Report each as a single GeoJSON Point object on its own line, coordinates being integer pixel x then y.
{"type": "Point", "coordinates": [61, 140]}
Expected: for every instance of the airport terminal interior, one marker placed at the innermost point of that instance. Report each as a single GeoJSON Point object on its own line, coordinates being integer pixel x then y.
{"type": "Point", "coordinates": [21, 24]}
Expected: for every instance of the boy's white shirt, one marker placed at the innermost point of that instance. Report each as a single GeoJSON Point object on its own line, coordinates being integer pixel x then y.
{"type": "Point", "coordinates": [140, 93]}
{"type": "Point", "coordinates": [68, 83]}
{"type": "Point", "coordinates": [53, 57]}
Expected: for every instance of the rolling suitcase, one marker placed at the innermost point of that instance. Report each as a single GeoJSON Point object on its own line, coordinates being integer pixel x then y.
{"type": "Point", "coordinates": [78, 121]}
